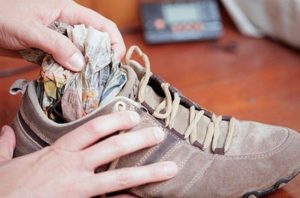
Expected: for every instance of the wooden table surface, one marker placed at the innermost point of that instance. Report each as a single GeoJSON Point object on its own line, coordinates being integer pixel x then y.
{"type": "Point", "coordinates": [253, 79]}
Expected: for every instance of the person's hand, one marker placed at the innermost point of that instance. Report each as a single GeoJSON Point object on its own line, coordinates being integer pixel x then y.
{"type": "Point", "coordinates": [23, 24]}
{"type": "Point", "coordinates": [67, 168]}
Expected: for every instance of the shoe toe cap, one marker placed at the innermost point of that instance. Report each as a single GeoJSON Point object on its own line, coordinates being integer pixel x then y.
{"type": "Point", "coordinates": [255, 172]}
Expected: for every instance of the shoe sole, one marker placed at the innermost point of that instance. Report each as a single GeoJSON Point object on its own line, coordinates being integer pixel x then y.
{"type": "Point", "coordinates": [280, 183]}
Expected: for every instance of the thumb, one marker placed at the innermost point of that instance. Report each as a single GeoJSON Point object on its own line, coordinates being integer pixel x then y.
{"type": "Point", "coordinates": [59, 46]}
{"type": "Point", "coordinates": [7, 143]}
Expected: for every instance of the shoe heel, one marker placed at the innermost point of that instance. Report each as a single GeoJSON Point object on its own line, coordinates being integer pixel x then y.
{"type": "Point", "coordinates": [25, 143]}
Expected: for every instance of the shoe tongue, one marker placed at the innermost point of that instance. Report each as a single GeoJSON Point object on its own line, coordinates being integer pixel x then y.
{"type": "Point", "coordinates": [130, 89]}
{"type": "Point", "coordinates": [154, 96]}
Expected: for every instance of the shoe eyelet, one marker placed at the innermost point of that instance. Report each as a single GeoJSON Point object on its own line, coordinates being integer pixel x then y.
{"type": "Point", "coordinates": [120, 106]}
{"type": "Point", "coordinates": [144, 109]}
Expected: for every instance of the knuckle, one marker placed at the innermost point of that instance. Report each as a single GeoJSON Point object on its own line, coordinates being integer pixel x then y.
{"type": "Point", "coordinates": [117, 145]}
{"type": "Point", "coordinates": [59, 42]}
{"type": "Point", "coordinates": [92, 127]}
{"type": "Point", "coordinates": [154, 174]}
{"type": "Point", "coordinates": [123, 115]}
{"type": "Point", "coordinates": [123, 118]}
{"type": "Point", "coordinates": [119, 116]}
{"type": "Point", "coordinates": [124, 178]}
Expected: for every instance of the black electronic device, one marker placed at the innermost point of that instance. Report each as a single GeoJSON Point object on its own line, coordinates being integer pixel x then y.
{"type": "Point", "coordinates": [180, 20]}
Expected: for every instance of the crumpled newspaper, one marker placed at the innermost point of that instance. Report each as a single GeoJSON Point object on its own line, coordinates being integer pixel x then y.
{"type": "Point", "coordinates": [66, 96]}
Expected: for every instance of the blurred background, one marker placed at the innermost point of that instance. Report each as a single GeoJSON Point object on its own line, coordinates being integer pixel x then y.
{"type": "Point", "coordinates": [125, 12]}
{"type": "Point", "coordinates": [233, 57]}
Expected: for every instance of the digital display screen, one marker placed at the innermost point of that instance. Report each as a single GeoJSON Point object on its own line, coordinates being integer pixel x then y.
{"type": "Point", "coordinates": [181, 13]}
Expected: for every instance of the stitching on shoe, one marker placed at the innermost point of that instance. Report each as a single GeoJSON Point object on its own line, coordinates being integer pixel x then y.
{"type": "Point", "coordinates": [274, 151]}
{"type": "Point", "coordinates": [180, 165]}
{"type": "Point", "coordinates": [31, 126]}
{"type": "Point", "coordinates": [21, 129]}
{"type": "Point", "coordinates": [143, 117]}
{"type": "Point", "coordinates": [195, 178]}
{"type": "Point", "coordinates": [151, 150]}
{"type": "Point", "coordinates": [29, 134]}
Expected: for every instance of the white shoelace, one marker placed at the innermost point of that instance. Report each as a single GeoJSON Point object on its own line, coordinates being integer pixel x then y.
{"type": "Point", "coordinates": [171, 108]}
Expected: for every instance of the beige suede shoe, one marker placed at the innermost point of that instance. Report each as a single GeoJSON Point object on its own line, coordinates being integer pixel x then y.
{"type": "Point", "coordinates": [218, 156]}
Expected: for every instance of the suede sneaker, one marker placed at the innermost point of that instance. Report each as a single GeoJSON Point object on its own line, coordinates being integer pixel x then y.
{"type": "Point", "coordinates": [217, 156]}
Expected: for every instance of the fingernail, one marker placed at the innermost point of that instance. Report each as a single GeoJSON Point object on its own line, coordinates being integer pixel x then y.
{"type": "Point", "coordinates": [116, 57]}
{"type": "Point", "coordinates": [159, 134]}
{"type": "Point", "coordinates": [117, 54]}
{"type": "Point", "coordinates": [77, 61]}
{"type": "Point", "coordinates": [134, 117]}
{"type": "Point", "coordinates": [170, 169]}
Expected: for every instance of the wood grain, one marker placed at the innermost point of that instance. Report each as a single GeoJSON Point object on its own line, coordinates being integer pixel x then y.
{"type": "Point", "coordinates": [253, 79]}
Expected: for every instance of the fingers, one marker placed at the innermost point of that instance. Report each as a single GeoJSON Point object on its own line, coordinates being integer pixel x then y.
{"type": "Point", "coordinates": [78, 14]}
{"type": "Point", "coordinates": [58, 45]}
{"type": "Point", "coordinates": [96, 129]}
{"type": "Point", "coordinates": [7, 143]}
{"type": "Point", "coordinates": [120, 145]}
{"type": "Point", "coordinates": [111, 181]}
